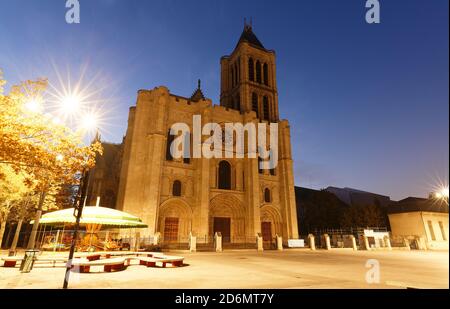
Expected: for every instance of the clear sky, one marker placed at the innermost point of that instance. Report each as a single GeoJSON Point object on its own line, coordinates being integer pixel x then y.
{"type": "Point", "coordinates": [368, 104]}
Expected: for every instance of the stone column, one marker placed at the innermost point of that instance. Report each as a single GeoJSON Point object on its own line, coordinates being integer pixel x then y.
{"type": "Point", "coordinates": [239, 178]}
{"type": "Point", "coordinates": [204, 179]}
{"type": "Point", "coordinates": [355, 248]}
{"type": "Point", "coordinates": [279, 243]}
{"type": "Point", "coordinates": [259, 242]}
{"type": "Point", "coordinates": [327, 242]}
{"type": "Point", "coordinates": [312, 242]}
{"type": "Point", "coordinates": [286, 177]}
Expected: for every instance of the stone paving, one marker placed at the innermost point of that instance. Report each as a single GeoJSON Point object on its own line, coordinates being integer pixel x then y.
{"type": "Point", "coordinates": [293, 268]}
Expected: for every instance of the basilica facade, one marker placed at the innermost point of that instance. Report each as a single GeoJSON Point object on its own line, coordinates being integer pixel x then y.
{"type": "Point", "coordinates": [202, 196]}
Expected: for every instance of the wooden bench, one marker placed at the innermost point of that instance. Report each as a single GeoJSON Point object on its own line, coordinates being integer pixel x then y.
{"type": "Point", "coordinates": [109, 265]}
{"type": "Point", "coordinates": [108, 254]}
{"type": "Point", "coordinates": [176, 261]}
{"type": "Point", "coordinates": [11, 261]}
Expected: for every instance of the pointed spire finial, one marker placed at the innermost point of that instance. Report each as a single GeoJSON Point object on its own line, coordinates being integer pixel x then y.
{"type": "Point", "coordinates": [199, 83]}
{"type": "Point", "coordinates": [97, 137]}
{"type": "Point", "coordinates": [246, 25]}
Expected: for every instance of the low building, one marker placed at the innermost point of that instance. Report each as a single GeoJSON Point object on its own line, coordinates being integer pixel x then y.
{"type": "Point", "coordinates": [317, 210]}
{"type": "Point", "coordinates": [352, 196]}
{"type": "Point", "coordinates": [424, 222]}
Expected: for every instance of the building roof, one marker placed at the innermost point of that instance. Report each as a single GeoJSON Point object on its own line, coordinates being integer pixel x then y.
{"type": "Point", "coordinates": [415, 204]}
{"type": "Point", "coordinates": [352, 196]}
{"type": "Point", "coordinates": [249, 36]}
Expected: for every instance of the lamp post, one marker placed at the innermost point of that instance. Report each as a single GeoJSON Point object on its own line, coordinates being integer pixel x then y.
{"type": "Point", "coordinates": [443, 194]}
{"type": "Point", "coordinates": [78, 210]}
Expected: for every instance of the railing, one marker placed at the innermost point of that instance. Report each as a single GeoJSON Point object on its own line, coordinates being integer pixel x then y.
{"type": "Point", "coordinates": [54, 240]}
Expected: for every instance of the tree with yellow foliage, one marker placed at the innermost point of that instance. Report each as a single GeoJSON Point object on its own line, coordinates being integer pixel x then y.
{"type": "Point", "coordinates": [36, 153]}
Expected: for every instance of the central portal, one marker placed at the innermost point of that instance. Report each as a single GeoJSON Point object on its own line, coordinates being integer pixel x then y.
{"type": "Point", "coordinates": [222, 225]}
{"type": "Point", "coordinates": [171, 229]}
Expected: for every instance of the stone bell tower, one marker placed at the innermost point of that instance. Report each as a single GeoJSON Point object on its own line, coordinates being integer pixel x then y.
{"type": "Point", "coordinates": [248, 80]}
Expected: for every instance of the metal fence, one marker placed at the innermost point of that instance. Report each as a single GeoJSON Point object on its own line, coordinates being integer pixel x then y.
{"type": "Point", "coordinates": [341, 238]}
{"type": "Point", "coordinates": [207, 243]}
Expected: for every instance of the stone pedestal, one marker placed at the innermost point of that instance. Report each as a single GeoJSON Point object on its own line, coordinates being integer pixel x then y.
{"type": "Point", "coordinates": [327, 242]}
{"type": "Point", "coordinates": [366, 243]}
{"type": "Point", "coordinates": [192, 243]}
{"type": "Point", "coordinates": [218, 242]}
{"type": "Point", "coordinates": [312, 242]}
{"type": "Point", "coordinates": [387, 243]}
{"type": "Point", "coordinates": [279, 243]}
{"type": "Point", "coordinates": [352, 238]}
{"type": "Point", "coordinates": [259, 242]}
{"type": "Point", "coordinates": [406, 243]}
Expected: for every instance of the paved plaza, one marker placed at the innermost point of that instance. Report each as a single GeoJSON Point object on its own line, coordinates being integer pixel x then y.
{"type": "Point", "coordinates": [294, 268]}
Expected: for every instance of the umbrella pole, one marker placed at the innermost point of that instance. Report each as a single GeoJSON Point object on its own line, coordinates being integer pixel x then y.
{"type": "Point", "coordinates": [62, 234]}
{"type": "Point", "coordinates": [56, 241]}
{"type": "Point", "coordinates": [78, 209]}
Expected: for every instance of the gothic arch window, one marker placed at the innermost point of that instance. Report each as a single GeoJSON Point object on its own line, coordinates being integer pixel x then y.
{"type": "Point", "coordinates": [237, 73]}
{"type": "Point", "coordinates": [258, 72]}
{"type": "Point", "coordinates": [266, 74]}
{"type": "Point", "coordinates": [272, 171]}
{"type": "Point", "coordinates": [237, 102]}
{"type": "Point", "coordinates": [267, 196]}
{"type": "Point", "coordinates": [170, 139]}
{"type": "Point", "coordinates": [251, 70]}
{"type": "Point", "coordinates": [176, 188]}
{"type": "Point", "coordinates": [260, 170]}
{"type": "Point", "coordinates": [266, 108]}
{"type": "Point", "coordinates": [255, 103]}
{"type": "Point", "coordinates": [224, 175]}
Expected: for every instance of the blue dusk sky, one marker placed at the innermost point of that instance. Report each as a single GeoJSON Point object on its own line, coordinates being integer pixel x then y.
{"type": "Point", "coordinates": [368, 103]}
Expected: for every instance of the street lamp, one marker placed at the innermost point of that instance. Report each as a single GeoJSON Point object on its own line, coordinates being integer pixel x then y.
{"type": "Point", "coordinates": [70, 104]}
{"type": "Point", "coordinates": [89, 122]}
{"type": "Point", "coordinates": [442, 193]}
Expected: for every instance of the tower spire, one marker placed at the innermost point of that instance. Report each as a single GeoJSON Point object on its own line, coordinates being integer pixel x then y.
{"type": "Point", "coordinates": [198, 93]}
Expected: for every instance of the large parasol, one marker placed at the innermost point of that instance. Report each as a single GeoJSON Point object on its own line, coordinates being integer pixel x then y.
{"type": "Point", "coordinates": [93, 219]}
{"type": "Point", "coordinates": [95, 216]}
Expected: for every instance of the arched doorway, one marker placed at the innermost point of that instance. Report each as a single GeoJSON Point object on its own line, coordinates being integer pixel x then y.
{"type": "Point", "coordinates": [270, 223]}
{"type": "Point", "coordinates": [227, 216]}
{"type": "Point", "coordinates": [174, 221]}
